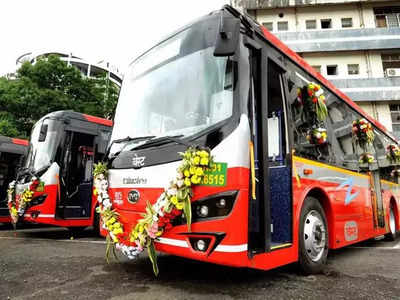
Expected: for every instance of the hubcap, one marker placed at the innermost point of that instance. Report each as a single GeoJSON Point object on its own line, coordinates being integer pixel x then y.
{"type": "Point", "coordinates": [314, 235]}
{"type": "Point", "coordinates": [392, 222]}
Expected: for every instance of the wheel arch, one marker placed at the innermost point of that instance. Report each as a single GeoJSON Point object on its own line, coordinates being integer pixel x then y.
{"type": "Point", "coordinates": [323, 198]}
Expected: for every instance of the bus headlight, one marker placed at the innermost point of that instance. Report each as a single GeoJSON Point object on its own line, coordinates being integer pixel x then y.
{"type": "Point", "coordinates": [202, 211]}
{"type": "Point", "coordinates": [38, 200]}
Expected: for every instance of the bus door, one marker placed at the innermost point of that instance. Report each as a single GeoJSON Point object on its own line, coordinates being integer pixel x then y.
{"type": "Point", "coordinates": [270, 222]}
{"type": "Point", "coordinates": [76, 176]}
{"type": "Point", "coordinates": [376, 197]}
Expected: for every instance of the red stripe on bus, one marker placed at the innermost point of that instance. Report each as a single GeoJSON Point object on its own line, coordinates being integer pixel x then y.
{"type": "Point", "coordinates": [20, 142]}
{"type": "Point", "coordinates": [98, 120]}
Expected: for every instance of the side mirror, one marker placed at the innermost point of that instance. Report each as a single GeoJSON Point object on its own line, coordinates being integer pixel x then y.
{"type": "Point", "coordinates": [43, 132]}
{"type": "Point", "coordinates": [228, 35]}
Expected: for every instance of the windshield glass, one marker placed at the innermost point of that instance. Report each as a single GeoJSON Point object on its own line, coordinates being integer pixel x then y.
{"type": "Point", "coordinates": [177, 88]}
{"type": "Point", "coordinates": [41, 154]}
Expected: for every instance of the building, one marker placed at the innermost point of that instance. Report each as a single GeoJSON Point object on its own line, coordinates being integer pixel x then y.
{"type": "Point", "coordinates": [87, 69]}
{"type": "Point", "coordinates": [353, 43]}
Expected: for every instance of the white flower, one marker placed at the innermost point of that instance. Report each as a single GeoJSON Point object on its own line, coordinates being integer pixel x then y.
{"type": "Point", "coordinates": [180, 183]}
{"type": "Point", "coordinates": [318, 135]}
{"type": "Point", "coordinates": [99, 199]}
{"type": "Point", "coordinates": [107, 203]}
{"type": "Point", "coordinates": [180, 175]}
{"type": "Point", "coordinates": [172, 191]}
{"type": "Point", "coordinates": [319, 92]}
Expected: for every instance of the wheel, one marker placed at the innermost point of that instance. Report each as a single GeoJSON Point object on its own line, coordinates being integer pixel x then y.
{"type": "Point", "coordinates": [391, 235]}
{"type": "Point", "coordinates": [96, 223]}
{"type": "Point", "coordinates": [313, 237]}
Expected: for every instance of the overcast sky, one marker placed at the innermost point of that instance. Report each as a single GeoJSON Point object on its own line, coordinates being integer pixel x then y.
{"type": "Point", "coordinates": [116, 31]}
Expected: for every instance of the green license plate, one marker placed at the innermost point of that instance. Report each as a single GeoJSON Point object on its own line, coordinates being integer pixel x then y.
{"type": "Point", "coordinates": [216, 175]}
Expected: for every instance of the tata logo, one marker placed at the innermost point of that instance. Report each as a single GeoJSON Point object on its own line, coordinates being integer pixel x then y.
{"type": "Point", "coordinates": [133, 196]}
{"type": "Point", "coordinates": [138, 161]}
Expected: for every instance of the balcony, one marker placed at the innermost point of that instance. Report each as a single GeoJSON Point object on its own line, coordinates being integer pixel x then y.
{"type": "Point", "coordinates": [342, 40]}
{"type": "Point", "coordinates": [265, 4]}
{"type": "Point", "coordinates": [370, 89]}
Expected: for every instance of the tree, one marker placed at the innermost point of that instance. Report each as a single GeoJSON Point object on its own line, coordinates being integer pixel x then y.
{"type": "Point", "coordinates": [50, 85]}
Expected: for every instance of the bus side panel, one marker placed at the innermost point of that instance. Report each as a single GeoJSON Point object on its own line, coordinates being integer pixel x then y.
{"type": "Point", "coordinates": [5, 219]}
{"type": "Point", "coordinates": [348, 195]}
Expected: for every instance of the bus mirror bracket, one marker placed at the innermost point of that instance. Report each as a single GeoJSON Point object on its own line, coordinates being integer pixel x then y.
{"type": "Point", "coordinates": [228, 36]}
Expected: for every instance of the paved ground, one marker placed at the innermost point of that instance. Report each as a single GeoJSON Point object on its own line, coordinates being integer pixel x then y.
{"type": "Point", "coordinates": [46, 264]}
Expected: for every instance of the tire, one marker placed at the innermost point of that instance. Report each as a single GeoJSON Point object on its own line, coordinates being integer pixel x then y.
{"type": "Point", "coordinates": [391, 235]}
{"type": "Point", "coordinates": [313, 237]}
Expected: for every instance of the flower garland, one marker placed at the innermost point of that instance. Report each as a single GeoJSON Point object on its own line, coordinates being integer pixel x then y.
{"type": "Point", "coordinates": [16, 206]}
{"type": "Point", "coordinates": [393, 153]}
{"type": "Point", "coordinates": [363, 132]}
{"type": "Point", "coordinates": [157, 218]}
{"type": "Point", "coordinates": [366, 158]}
{"type": "Point", "coordinates": [311, 98]}
{"type": "Point", "coordinates": [317, 136]}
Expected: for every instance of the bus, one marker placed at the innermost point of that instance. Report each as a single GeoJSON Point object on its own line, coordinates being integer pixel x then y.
{"type": "Point", "coordinates": [12, 151]}
{"type": "Point", "coordinates": [63, 147]}
{"type": "Point", "coordinates": [296, 179]}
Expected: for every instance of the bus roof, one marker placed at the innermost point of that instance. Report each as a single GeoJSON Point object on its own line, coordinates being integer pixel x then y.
{"type": "Point", "coordinates": [13, 145]}
{"type": "Point", "coordinates": [70, 114]}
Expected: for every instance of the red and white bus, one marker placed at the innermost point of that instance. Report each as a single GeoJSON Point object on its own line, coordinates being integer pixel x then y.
{"type": "Point", "coordinates": [11, 152]}
{"type": "Point", "coordinates": [226, 83]}
{"type": "Point", "coordinates": [63, 147]}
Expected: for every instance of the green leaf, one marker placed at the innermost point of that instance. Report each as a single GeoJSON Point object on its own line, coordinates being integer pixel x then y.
{"type": "Point", "coordinates": [153, 257]}
{"type": "Point", "coordinates": [187, 210]}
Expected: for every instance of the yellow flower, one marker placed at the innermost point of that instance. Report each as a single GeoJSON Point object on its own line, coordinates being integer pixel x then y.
{"type": "Point", "coordinates": [95, 192]}
{"type": "Point", "coordinates": [117, 231]}
{"type": "Point", "coordinates": [187, 181]}
{"type": "Point", "coordinates": [158, 233]}
{"type": "Point", "coordinates": [186, 173]}
{"type": "Point", "coordinates": [203, 154]}
{"type": "Point", "coordinates": [14, 211]}
{"type": "Point", "coordinates": [199, 172]}
{"type": "Point", "coordinates": [195, 179]}
{"type": "Point", "coordinates": [192, 170]}
{"type": "Point", "coordinates": [204, 161]}
{"type": "Point", "coordinates": [179, 205]}
{"type": "Point", "coordinates": [141, 228]}
{"type": "Point", "coordinates": [196, 160]}
{"type": "Point", "coordinates": [132, 239]}
{"type": "Point", "coordinates": [322, 97]}
{"type": "Point", "coordinates": [117, 225]}
{"type": "Point", "coordinates": [174, 200]}
{"type": "Point", "coordinates": [115, 239]}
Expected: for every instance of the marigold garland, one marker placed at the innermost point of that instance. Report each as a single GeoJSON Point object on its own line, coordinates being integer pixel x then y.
{"type": "Point", "coordinates": [17, 207]}
{"type": "Point", "coordinates": [157, 218]}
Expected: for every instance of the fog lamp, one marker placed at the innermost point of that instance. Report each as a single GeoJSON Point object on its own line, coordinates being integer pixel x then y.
{"type": "Point", "coordinates": [201, 245]}
{"type": "Point", "coordinates": [202, 211]}
{"type": "Point", "coordinates": [221, 203]}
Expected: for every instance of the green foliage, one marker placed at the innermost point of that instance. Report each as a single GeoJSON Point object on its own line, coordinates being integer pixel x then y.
{"type": "Point", "coordinates": [50, 85]}
{"type": "Point", "coordinates": [100, 168]}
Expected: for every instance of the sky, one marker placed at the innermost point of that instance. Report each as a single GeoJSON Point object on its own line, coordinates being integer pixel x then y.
{"type": "Point", "coordinates": [115, 31]}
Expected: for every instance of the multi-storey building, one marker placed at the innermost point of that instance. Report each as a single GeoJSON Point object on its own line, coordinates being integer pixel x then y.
{"type": "Point", "coordinates": [86, 68]}
{"type": "Point", "coordinates": [353, 43]}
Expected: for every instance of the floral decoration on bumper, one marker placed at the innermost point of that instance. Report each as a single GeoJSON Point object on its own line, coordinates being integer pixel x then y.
{"type": "Point", "coordinates": [175, 200]}
{"type": "Point", "coordinates": [17, 205]}
{"type": "Point", "coordinates": [393, 153]}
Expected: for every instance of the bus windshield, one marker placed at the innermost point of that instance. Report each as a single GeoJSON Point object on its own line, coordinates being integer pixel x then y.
{"type": "Point", "coordinates": [41, 153]}
{"type": "Point", "coordinates": [177, 88]}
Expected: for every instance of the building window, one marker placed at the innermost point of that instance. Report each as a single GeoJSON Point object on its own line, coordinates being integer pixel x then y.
{"type": "Point", "coordinates": [317, 68]}
{"type": "Point", "coordinates": [391, 64]}
{"type": "Point", "coordinates": [395, 115]}
{"type": "Point", "coordinates": [331, 70]}
{"type": "Point", "coordinates": [269, 26]}
{"type": "Point", "coordinates": [387, 16]}
{"type": "Point", "coordinates": [311, 24]}
{"type": "Point", "coordinates": [283, 26]}
{"type": "Point", "coordinates": [347, 22]}
{"type": "Point", "coordinates": [353, 69]}
{"type": "Point", "coordinates": [326, 23]}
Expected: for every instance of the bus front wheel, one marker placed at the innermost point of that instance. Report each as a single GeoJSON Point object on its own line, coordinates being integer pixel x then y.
{"type": "Point", "coordinates": [391, 235]}
{"type": "Point", "coordinates": [313, 237]}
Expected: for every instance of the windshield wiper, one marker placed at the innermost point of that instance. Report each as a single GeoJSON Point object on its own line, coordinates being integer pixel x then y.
{"type": "Point", "coordinates": [161, 141]}
{"type": "Point", "coordinates": [126, 139]}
